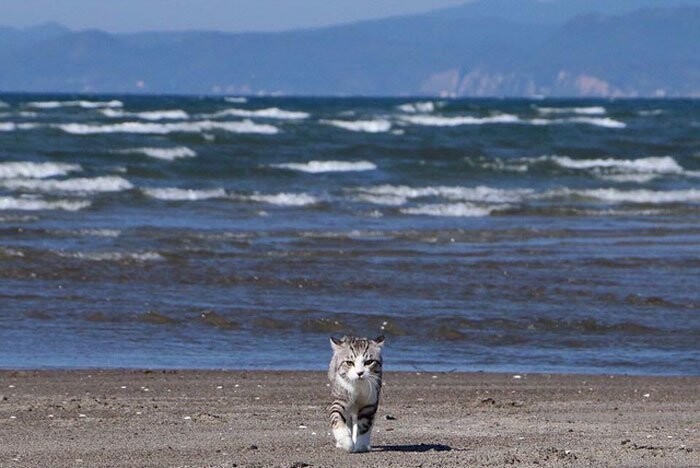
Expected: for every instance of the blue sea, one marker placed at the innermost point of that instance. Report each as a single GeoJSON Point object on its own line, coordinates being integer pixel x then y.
{"type": "Point", "coordinates": [240, 233]}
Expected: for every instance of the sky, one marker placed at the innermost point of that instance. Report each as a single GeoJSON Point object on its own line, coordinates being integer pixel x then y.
{"type": "Point", "coordinates": [221, 15]}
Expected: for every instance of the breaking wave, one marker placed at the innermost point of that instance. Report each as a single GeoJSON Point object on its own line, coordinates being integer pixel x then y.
{"type": "Point", "coordinates": [460, 210]}
{"type": "Point", "coordinates": [34, 170]}
{"type": "Point", "coordinates": [174, 114]}
{"type": "Point", "coordinates": [589, 110]}
{"type": "Point", "coordinates": [166, 154]}
{"type": "Point", "coordinates": [315, 167]}
{"type": "Point", "coordinates": [652, 197]}
{"type": "Point", "coordinates": [442, 121]}
{"type": "Point", "coordinates": [83, 104]}
{"type": "Point", "coordinates": [178, 194]}
{"type": "Point", "coordinates": [283, 199]}
{"type": "Point", "coordinates": [368, 126]}
{"type": "Point", "coordinates": [269, 113]}
{"type": "Point", "coordinates": [79, 185]}
{"type": "Point", "coordinates": [245, 126]}
{"type": "Point", "coordinates": [424, 107]}
{"type": "Point", "coordinates": [38, 204]}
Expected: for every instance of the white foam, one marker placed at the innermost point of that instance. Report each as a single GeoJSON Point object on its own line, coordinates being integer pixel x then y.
{"type": "Point", "coordinates": [368, 126]}
{"type": "Point", "coordinates": [79, 185]}
{"type": "Point", "coordinates": [245, 126]}
{"type": "Point", "coordinates": [315, 167]}
{"type": "Point", "coordinates": [114, 256]}
{"type": "Point", "coordinates": [472, 194]}
{"type": "Point", "coordinates": [178, 194]}
{"type": "Point", "coordinates": [424, 107]}
{"type": "Point", "coordinates": [597, 121]}
{"type": "Point", "coordinates": [590, 110]}
{"type": "Point", "coordinates": [442, 121]}
{"type": "Point", "coordinates": [37, 204]}
{"type": "Point", "coordinates": [34, 170]}
{"type": "Point", "coordinates": [173, 114]}
{"type": "Point", "coordinates": [3, 104]}
{"type": "Point", "coordinates": [630, 196]}
{"type": "Point", "coordinates": [269, 113]}
{"type": "Point", "coordinates": [652, 112]}
{"type": "Point", "coordinates": [166, 154]}
{"type": "Point", "coordinates": [83, 104]}
{"type": "Point", "coordinates": [236, 99]}
{"type": "Point", "coordinates": [650, 165]}
{"type": "Point", "coordinates": [284, 199]}
{"type": "Point", "coordinates": [462, 210]}
{"type": "Point", "coordinates": [12, 126]}
{"type": "Point", "coordinates": [376, 199]}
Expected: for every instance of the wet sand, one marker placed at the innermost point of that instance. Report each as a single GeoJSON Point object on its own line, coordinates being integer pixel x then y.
{"type": "Point", "coordinates": [261, 419]}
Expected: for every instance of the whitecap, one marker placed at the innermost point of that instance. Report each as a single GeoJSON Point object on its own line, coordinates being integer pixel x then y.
{"type": "Point", "coordinates": [12, 126]}
{"type": "Point", "coordinates": [473, 194]}
{"type": "Point", "coordinates": [283, 199]}
{"type": "Point", "coordinates": [658, 165]}
{"type": "Point", "coordinates": [589, 110]}
{"type": "Point", "coordinates": [34, 170]}
{"type": "Point", "coordinates": [629, 196]}
{"type": "Point", "coordinates": [37, 204]}
{"type": "Point", "coordinates": [173, 114]}
{"type": "Point", "coordinates": [368, 126]}
{"type": "Point", "coordinates": [269, 113]}
{"type": "Point", "coordinates": [315, 167]}
{"type": "Point", "coordinates": [79, 185]}
{"type": "Point", "coordinates": [599, 122]}
{"type": "Point", "coordinates": [462, 210]}
{"type": "Point", "coordinates": [424, 107]}
{"type": "Point", "coordinates": [245, 126]}
{"type": "Point", "coordinates": [178, 194]}
{"type": "Point", "coordinates": [166, 154]}
{"type": "Point", "coordinates": [83, 104]}
{"type": "Point", "coordinates": [114, 256]}
{"type": "Point", "coordinates": [442, 121]}
{"type": "Point", "coordinates": [236, 99]}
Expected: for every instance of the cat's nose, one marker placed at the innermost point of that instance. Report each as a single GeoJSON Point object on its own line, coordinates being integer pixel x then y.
{"type": "Point", "coordinates": [359, 373]}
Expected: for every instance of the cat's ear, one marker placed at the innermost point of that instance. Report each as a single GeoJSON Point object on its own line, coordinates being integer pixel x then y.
{"type": "Point", "coordinates": [336, 342]}
{"type": "Point", "coordinates": [379, 341]}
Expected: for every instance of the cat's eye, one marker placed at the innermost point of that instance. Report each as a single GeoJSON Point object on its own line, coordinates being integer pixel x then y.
{"type": "Point", "coordinates": [369, 362]}
{"type": "Point", "coordinates": [350, 363]}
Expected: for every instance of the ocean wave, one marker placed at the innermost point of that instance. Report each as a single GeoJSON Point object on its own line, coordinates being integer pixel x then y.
{"type": "Point", "coordinates": [84, 104]}
{"type": "Point", "coordinates": [394, 193]}
{"type": "Point", "coordinates": [3, 104]}
{"type": "Point", "coordinates": [12, 126]}
{"type": "Point", "coordinates": [34, 170]}
{"type": "Point", "coordinates": [173, 114]}
{"type": "Point", "coordinates": [236, 99]}
{"type": "Point", "coordinates": [611, 195]}
{"type": "Point", "coordinates": [589, 110]}
{"type": "Point", "coordinates": [457, 210]}
{"type": "Point", "coordinates": [269, 113]}
{"type": "Point", "coordinates": [368, 126]}
{"type": "Point", "coordinates": [79, 185]}
{"type": "Point", "coordinates": [283, 199]}
{"type": "Point", "coordinates": [442, 121]}
{"type": "Point", "coordinates": [166, 154]}
{"type": "Point", "coordinates": [660, 165]}
{"type": "Point", "coordinates": [605, 122]}
{"type": "Point", "coordinates": [38, 204]}
{"type": "Point", "coordinates": [178, 194]}
{"type": "Point", "coordinates": [245, 126]}
{"type": "Point", "coordinates": [114, 256]}
{"type": "Point", "coordinates": [315, 167]}
{"type": "Point", "coordinates": [423, 107]}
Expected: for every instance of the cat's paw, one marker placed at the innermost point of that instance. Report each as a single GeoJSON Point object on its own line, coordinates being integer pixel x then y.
{"type": "Point", "coordinates": [361, 448]}
{"type": "Point", "coordinates": [345, 443]}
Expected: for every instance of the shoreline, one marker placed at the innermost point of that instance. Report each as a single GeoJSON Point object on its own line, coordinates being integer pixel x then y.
{"type": "Point", "coordinates": [127, 417]}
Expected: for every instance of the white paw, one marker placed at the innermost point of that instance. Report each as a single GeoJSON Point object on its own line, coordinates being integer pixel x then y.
{"type": "Point", "coordinates": [345, 443]}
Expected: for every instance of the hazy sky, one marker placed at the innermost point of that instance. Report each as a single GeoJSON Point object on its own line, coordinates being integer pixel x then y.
{"type": "Point", "coordinates": [223, 15]}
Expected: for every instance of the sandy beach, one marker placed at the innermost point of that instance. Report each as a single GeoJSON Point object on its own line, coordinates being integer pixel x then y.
{"type": "Point", "coordinates": [261, 419]}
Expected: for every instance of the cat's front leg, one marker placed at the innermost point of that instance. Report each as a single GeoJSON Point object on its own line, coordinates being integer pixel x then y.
{"type": "Point", "coordinates": [363, 428]}
{"type": "Point", "coordinates": [343, 437]}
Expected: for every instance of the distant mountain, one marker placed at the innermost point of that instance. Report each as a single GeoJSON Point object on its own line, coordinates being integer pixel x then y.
{"type": "Point", "coordinates": [487, 48]}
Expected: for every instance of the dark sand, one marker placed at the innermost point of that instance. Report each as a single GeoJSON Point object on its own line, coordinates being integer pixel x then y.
{"type": "Point", "coordinates": [197, 419]}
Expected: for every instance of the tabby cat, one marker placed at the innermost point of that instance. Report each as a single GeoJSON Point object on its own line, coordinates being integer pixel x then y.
{"type": "Point", "coordinates": [355, 373]}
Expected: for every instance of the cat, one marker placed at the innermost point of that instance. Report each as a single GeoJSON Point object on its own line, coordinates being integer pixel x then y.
{"type": "Point", "coordinates": [355, 373]}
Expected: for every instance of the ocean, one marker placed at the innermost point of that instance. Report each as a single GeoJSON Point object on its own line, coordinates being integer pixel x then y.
{"type": "Point", "coordinates": [240, 233]}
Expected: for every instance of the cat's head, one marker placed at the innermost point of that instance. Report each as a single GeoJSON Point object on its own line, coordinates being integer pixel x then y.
{"type": "Point", "coordinates": [357, 358]}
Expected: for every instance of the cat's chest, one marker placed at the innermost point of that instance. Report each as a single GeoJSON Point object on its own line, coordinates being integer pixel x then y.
{"type": "Point", "coordinates": [362, 393]}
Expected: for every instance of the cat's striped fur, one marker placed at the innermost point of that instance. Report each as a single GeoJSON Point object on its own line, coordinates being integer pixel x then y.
{"type": "Point", "coordinates": [355, 373]}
